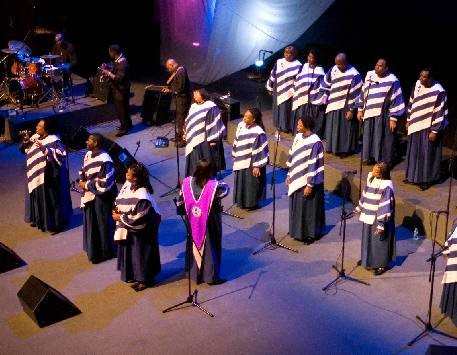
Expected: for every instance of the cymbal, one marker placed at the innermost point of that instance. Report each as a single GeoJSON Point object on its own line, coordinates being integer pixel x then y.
{"type": "Point", "coordinates": [50, 56]}
{"type": "Point", "coordinates": [20, 47]}
{"type": "Point", "coordinates": [9, 51]}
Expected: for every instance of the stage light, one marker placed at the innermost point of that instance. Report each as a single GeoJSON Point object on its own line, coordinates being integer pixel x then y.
{"type": "Point", "coordinates": [261, 58]}
{"type": "Point", "coordinates": [196, 44]}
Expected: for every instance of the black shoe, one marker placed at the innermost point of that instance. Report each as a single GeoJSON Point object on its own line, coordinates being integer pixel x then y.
{"type": "Point", "coordinates": [424, 187]}
{"type": "Point", "coordinates": [33, 224]}
{"type": "Point", "coordinates": [379, 271]}
{"type": "Point", "coordinates": [139, 286]}
{"type": "Point", "coordinates": [57, 231]}
{"type": "Point", "coordinates": [308, 241]}
{"type": "Point", "coordinates": [217, 281]}
{"type": "Point", "coordinates": [121, 133]}
{"type": "Point", "coordinates": [359, 263]}
{"type": "Point", "coordinates": [406, 181]}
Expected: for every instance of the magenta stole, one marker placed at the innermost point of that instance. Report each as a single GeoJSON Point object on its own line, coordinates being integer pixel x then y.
{"type": "Point", "coordinates": [197, 212]}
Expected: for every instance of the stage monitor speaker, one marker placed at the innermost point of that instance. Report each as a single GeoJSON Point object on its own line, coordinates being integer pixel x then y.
{"type": "Point", "coordinates": [44, 304]}
{"type": "Point", "coordinates": [121, 157]}
{"type": "Point", "coordinates": [441, 350]}
{"type": "Point", "coordinates": [100, 88]}
{"type": "Point", "coordinates": [79, 139]}
{"type": "Point", "coordinates": [156, 107]}
{"type": "Point", "coordinates": [9, 260]}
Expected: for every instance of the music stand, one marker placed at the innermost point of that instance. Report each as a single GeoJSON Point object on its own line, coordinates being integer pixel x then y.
{"type": "Point", "coordinates": [192, 296]}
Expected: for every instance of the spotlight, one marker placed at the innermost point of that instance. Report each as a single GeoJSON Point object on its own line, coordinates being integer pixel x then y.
{"type": "Point", "coordinates": [259, 63]}
{"type": "Point", "coordinates": [261, 58]}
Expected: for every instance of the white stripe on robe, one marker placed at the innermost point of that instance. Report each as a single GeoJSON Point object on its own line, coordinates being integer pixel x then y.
{"type": "Point", "coordinates": [282, 79]}
{"type": "Point", "coordinates": [89, 171]}
{"type": "Point", "coordinates": [244, 153]}
{"type": "Point", "coordinates": [307, 86]}
{"type": "Point", "coordinates": [425, 111]}
{"type": "Point", "coordinates": [37, 160]}
{"type": "Point", "coordinates": [300, 160]}
{"type": "Point", "coordinates": [381, 89]}
{"type": "Point", "coordinates": [343, 88]}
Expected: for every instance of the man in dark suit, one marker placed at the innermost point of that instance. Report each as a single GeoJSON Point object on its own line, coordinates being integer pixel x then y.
{"type": "Point", "coordinates": [119, 87]}
{"type": "Point", "coordinates": [180, 88]}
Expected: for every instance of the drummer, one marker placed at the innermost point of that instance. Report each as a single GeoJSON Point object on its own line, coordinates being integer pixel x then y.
{"type": "Point", "coordinates": [66, 52]}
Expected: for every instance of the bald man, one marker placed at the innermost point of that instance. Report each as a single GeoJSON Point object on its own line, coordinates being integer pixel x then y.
{"type": "Point", "coordinates": [341, 87]}
{"type": "Point", "coordinates": [281, 86]}
{"type": "Point", "coordinates": [380, 104]}
{"type": "Point", "coordinates": [180, 88]}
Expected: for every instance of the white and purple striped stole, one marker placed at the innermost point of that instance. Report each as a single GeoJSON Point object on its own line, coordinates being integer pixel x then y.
{"type": "Point", "coordinates": [282, 78]}
{"type": "Point", "coordinates": [250, 147]}
{"type": "Point", "coordinates": [371, 205]}
{"type": "Point", "coordinates": [450, 273]}
{"type": "Point", "coordinates": [425, 109]}
{"type": "Point", "coordinates": [37, 160]}
{"type": "Point", "coordinates": [307, 86]}
{"type": "Point", "coordinates": [195, 124]}
{"type": "Point", "coordinates": [381, 91]}
{"type": "Point", "coordinates": [305, 162]}
{"type": "Point", "coordinates": [90, 172]}
{"type": "Point", "coordinates": [343, 88]}
{"type": "Point", "coordinates": [126, 203]}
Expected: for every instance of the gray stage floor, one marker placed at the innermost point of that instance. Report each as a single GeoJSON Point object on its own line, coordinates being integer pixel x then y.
{"type": "Point", "coordinates": [272, 303]}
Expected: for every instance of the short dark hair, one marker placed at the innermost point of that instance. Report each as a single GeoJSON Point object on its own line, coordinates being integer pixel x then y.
{"type": "Point", "coordinates": [429, 70]}
{"type": "Point", "coordinates": [203, 93]}
{"type": "Point", "coordinates": [98, 138]}
{"type": "Point", "coordinates": [315, 53]}
{"type": "Point", "coordinates": [115, 48]}
{"type": "Point", "coordinates": [307, 122]}
{"type": "Point", "coordinates": [202, 172]}
{"type": "Point", "coordinates": [50, 126]}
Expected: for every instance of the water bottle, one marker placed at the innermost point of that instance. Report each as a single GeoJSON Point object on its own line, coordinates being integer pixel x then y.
{"type": "Point", "coordinates": [416, 234]}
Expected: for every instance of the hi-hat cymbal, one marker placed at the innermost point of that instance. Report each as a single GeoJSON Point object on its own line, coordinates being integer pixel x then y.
{"type": "Point", "coordinates": [9, 51]}
{"type": "Point", "coordinates": [50, 56]}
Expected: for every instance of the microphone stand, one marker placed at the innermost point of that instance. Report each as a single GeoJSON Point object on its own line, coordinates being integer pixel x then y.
{"type": "Point", "coordinates": [361, 145]}
{"type": "Point", "coordinates": [192, 296]}
{"type": "Point", "coordinates": [178, 183]}
{"type": "Point", "coordinates": [273, 242]}
{"type": "Point", "coordinates": [137, 147]}
{"type": "Point", "coordinates": [428, 327]}
{"type": "Point", "coordinates": [341, 272]}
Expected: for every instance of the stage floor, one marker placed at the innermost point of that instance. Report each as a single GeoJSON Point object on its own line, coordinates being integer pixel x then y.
{"type": "Point", "coordinates": [272, 303]}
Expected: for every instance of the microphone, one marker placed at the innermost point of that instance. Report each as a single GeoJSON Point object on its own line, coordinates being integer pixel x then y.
{"type": "Point", "coordinates": [350, 172]}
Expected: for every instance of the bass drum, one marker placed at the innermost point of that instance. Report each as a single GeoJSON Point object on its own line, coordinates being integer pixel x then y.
{"type": "Point", "coordinates": [26, 89]}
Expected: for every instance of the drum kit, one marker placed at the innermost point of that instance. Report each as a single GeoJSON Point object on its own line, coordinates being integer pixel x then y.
{"type": "Point", "coordinates": [31, 80]}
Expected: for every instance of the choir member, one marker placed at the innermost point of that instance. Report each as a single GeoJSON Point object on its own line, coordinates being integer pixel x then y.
{"type": "Point", "coordinates": [306, 183]}
{"type": "Point", "coordinates": [379, 106]}
{"type": "Point", "coordinates": [341, 87]}
{"type": "Point", "coordinates": [307, 100]}
{"type": "Point", "coordinates": [250, 157]}
{"type": "Point", "coordinates": [99, 191]}
{"type": "Point", "coordinates": [137, 224]}
{"type": "Point", "coordinates": [48, 202]}
{"type": "Point", "coordinates": [426, 122]}
{"type": "Point", "coordinates": [376, 211]}
{"type": "Point", "coordinates": [448, 302]}
{"type": "Point", "coordinates": [281, 86]}
{"type": "Point", "coordinates": [204, 131]}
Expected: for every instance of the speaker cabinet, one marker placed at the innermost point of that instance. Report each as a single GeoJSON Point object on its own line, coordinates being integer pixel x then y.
{"type": "Point", "coordinates": [44, 304]}
{"type": "Point", "coordinates": [9, 260]}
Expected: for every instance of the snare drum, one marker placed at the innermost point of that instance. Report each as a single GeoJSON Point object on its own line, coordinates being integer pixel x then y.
{"type": "Point", "coordinates": [52, 71]}
{"type": "Point", "coordinates": [25, 89]}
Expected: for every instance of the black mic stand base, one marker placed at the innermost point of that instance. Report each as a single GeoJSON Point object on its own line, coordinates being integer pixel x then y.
{"type": "Point", "coordinates": [174, 190]}
{"type": "Point", "coordinates": [429, 329]}
{"type": "Point", "coordinates": [342, 276]}
{"type": "Point", "coordinates": [274, 244]}
{"type": "Point", "coordinates": [192, 299]}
